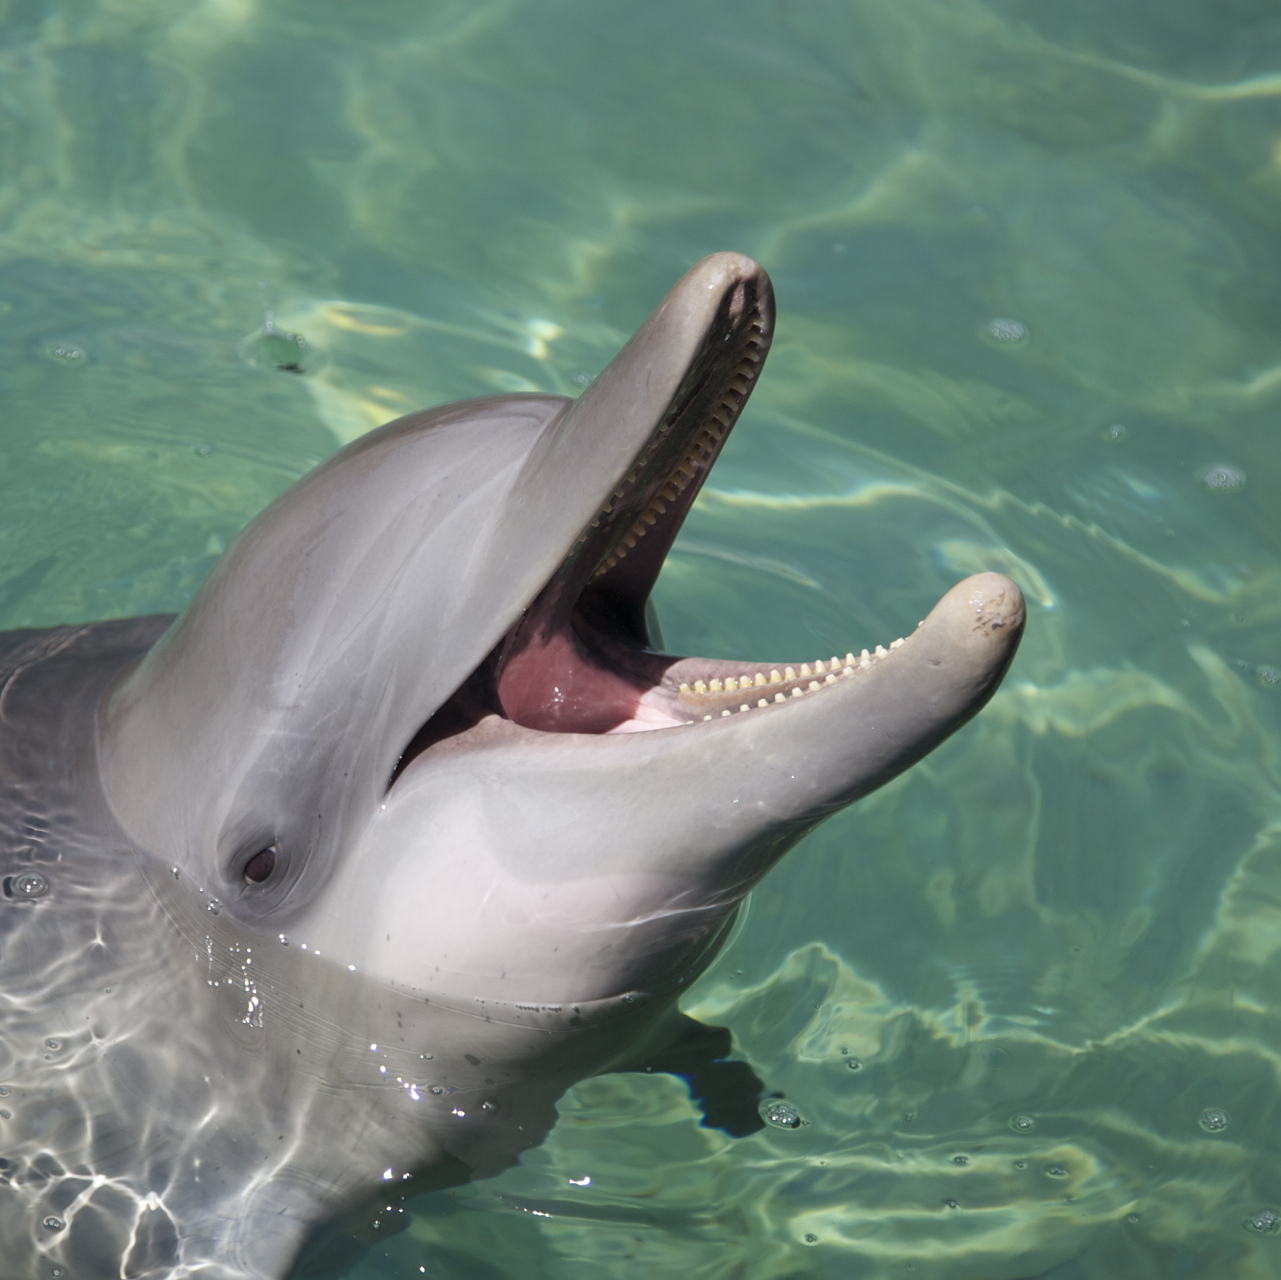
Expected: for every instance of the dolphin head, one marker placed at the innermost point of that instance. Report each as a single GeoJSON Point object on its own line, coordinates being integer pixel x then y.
{"type": "Point", "coordinates": [415, 715]}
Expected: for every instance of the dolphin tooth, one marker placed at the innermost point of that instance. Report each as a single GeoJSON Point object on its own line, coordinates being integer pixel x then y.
{"type": "Point", "coordinates": [829, 679]}
{"type": "Point", "coordinates": [880, 651]}
{"type": "Point", "coordinates": [775, 677]}
{"type": "Point", "coordinates": [762, 703]}
{"type": "Point", "coordinates": [798, 693]}
{"type": "Point", "coordinates": [759, 679]}
{"type": "Point", "coordinates": [780, 697]}
{"type": "Point", "coordinates": [805, 669]}
{"type": "Point", "coordinates": [684, 687]}
{"type": "Point", "coordinates": [700, 686]}
{"type": "Point", "coordinates": [814, 684]}
{"type": "Point", "coordinates": [819, 667]}
{"type": "Point", "coordinates": [725, 713]}
{"type": "Point", "coordinates": [789, 673]}
{"type": "Point", "coordinates": [745, 707]}
{"type": "Point", "coordinates": [896, 643]}
{"type": "Point", "coordinates": [731, 685]}
{"type": "Point", "coordinates": [715, 685]}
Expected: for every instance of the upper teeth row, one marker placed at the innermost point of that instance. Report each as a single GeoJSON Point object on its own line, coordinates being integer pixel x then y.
{"type": "Point", "coordinates": [702, 448]}
{"type": "Point", "coordinates": [830, 672]}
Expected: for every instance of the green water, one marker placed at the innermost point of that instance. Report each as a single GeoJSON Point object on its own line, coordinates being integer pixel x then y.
{"type": "Point", "coordinates": [1071, 913]}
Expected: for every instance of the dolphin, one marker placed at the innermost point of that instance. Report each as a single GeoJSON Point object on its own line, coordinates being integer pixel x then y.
{"type": "Point", "coordinates": [329, 888]}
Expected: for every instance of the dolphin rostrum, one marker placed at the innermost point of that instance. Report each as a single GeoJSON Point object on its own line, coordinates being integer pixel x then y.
{"type": "Point", "coordinates": [332, 886]}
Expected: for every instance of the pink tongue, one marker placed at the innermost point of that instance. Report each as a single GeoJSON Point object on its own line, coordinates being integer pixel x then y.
{"type": "Point", "coordinates": [554, 684]}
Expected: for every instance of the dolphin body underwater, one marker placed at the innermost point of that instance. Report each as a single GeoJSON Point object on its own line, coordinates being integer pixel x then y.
{"type": "Point", "coordinates": [331, 887]}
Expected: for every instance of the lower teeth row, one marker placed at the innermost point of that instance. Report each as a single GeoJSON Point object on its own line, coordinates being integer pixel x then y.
{"type": "Point", "coordinates": [830, 672]}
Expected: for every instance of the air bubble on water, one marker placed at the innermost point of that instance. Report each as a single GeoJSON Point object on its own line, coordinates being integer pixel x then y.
{"type": "Point", "coordinates": [1268, 677]}
{"type": "Point", "coordinates": [4, 1091]}
{"type": "Point", "coordinates": [951, 1204]}
{"type": "Point", "coordinates": [52, 1044]}
{"type": "Point", "coordinates": [1055, 1171]}
{"type": "Point", "coordinates": [55, 1272]}
{"type": "Point", "coordinates": [436, 1088]}
{"type": "Point", "coordinates": [54, 1224]}
{"type": "Point", "coordinates": [489, 1106]}
{"type": "Point", "coordinates": [909, 1116]}
{"type": "Point", "coordinates": [811, 1238]}
{"type": "Point", "coordinates": [1022, 1124]}
{"type": "Point", "coordinates": [960, 1159]}
{"type": "Point", "coordinates": [1222, 478]}
{"type": "Point", "coordinates": [1214, 1120]}
{"type": "Point", "coordinates": [67, 353]}
{"type": "Point", "coordinates": [275, 348]}
{"type": "Point", "coordinates": [1265, 1222]}
{"type": "Point", "coordinates": [1114, 432]}
{"type": "Point", "coordinates": [284, 942]}
{"type": "Point", "coordinates": [1131, 1217]}
{"type": "Point", "coordinates": [1004, 332]}
{"type": "Point", "coordinates": [213, 906]}
{"type": "Point", "coordinates": [782, 1115]}
{"type": "Point", "coordinates": [1020, 1164]}
{"type": "Point", "coordinates": [854, 1064]}
{"type": "Point", "coordinates": [31, 884]}
{"type": "Point", "coordinates": [6, 1115]}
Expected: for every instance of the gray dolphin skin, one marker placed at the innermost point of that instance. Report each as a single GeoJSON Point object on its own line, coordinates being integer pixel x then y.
{"type": "Point", "coordinates": [331, 887]}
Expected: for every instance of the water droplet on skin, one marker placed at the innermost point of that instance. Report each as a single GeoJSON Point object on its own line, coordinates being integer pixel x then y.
{"type": "Point", "coordinates": [782, 1115]}
{"type": "Point", "coordinates": [55, 1272]}
{"type": "Point", "coordinates": [1001, 331]}
{"type": "Point", "coordinates": [1264, 1222]}
{"type": "Point", "coordinates": [437, 1089]}
{"type": "Point", "coordinates": [1022, 1124]}
{"type": "Point", "coordinates": [1222, 478]}
{"type": "Point", "coordinates": [52, 1044]}
{"type": "Point", "coordinates": [213, 906]}
{"type": "Point", "coordinates": [54, 1224]}
{"type": "Point", "coordinates": [1214, 1120]}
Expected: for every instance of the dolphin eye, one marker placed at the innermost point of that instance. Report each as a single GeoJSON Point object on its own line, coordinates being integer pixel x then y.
{"type": "Point", "coordinates": [261, 865]}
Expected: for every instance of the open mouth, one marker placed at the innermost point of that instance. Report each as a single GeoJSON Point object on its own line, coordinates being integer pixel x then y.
{"type": "Point", "coordinates": [579, 660]}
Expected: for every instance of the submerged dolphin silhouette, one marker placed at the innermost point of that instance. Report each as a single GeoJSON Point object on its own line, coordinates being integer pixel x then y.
{"type": "Point", "coordinates": [342, 878]}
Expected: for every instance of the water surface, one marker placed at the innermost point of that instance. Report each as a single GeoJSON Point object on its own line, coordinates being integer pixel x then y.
{"type": "Point", "coordinates": [1029, 281]}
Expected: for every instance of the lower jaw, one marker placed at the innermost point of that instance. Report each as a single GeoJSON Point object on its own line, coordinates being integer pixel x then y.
{"type": "Point", "coordinates": [569, 686]}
